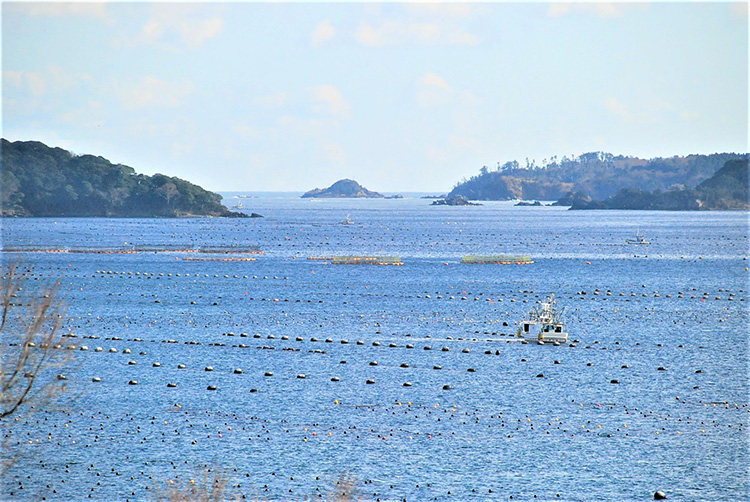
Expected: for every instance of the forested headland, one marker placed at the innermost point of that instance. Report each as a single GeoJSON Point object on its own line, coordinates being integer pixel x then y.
{"type": "Point", "coordinates": [725, 190]}
{"type": "Point", "coordinates": [595, 175]}
{"type": "Point", "coordinates": [38, 180]}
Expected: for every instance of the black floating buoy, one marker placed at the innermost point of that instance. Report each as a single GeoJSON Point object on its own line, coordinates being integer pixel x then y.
{"type": "Point", "coordinates": [301, 375]}
{"type": "Point", "coordinates": [335, 379]}
{"type": "Point", "coordinates": [471, 370]}
{"type": "Point", "coordinates": [209, 368]}
{"type": "Point", "coordinates": [407, 384]}
{"type": "Point", "coordinates": [614, 381]}
{"type": "Point", "coordinates": [211, 387]}
{"type": "Point", "coordinates": [661, 368]}
{"type": "Point", "coordinates": [268, 373]}
{"type": "Point", "coordinates": [447, 387]}
{"type": "Point", "coordinates": [660, 495]}
{"type": "Point", "coordinates": [133, 382]}
{"type": "Point", "coordinates": [540, 375]}
{"type": "Point", "coordinates": [437, 367]}
{"type": "Point", "coordinates": [370, 381]}
{"type": "Point", "coordinates": [181, 366]}
{"type": "Point", "coordinates": [96, 379]}
{"type": "Point", "coordinates": [373, 363]}
{"type": "Point", "coordinates": [171, 385]}
{"type": "Point", "coordinates": [238, 371]}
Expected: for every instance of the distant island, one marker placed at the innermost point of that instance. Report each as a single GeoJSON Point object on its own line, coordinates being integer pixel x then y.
{"type": "Point", "coordinates": [345, 188]}
{"type": "Point", "coordinates": [455, 200]}
{"type": "Point", "coordinates": [38, 180]}
{"type": "Point", "coordinates": [594, 175]}
{"type": "Point", "coordinates": [725, 190]}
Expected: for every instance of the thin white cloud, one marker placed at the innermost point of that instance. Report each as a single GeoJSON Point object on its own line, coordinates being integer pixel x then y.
{"type": "Point", "coordinates": [173, 26]}
{"type": "Point", "coordinates": [739, 10]}
{"type": "Point", "coordinates": [32, 82]}
{"type": "Point", "coordinates": [150, 91]}
{"type": "Point", "coordinates": [245, 131]}
{"type": "Point", "coordinates": [305, 126]}
{"type": "Point", "coordinates": [452, 10]}
{"type": "Point", "coordinates": [12, 78]}
{"type": "Point", "coordinates": [399, 32]}
{"type": "Point", "coordinates": [689, 115]}
{"type": "Point", "coordinates": [334, 153]}
{"type": "Point", "coordinates": [88, 116]}
{"type": "Point", "coordinates": [616, 107]}
{"type": "Point", "coordinates": [322, 33]}
{"type": "Point", "coordinates": [273, 100]}
{"type": "Point", "coordinates": [60, 9]}
{"type": "Point", "coordinates": [330, 100]}
{"type": "Point", "coordinates": [433, 90]}
{"type": "Point", "coordinates": [455, 147]}
{"type": "Point", "coordinates": [654, 110]}
{"type": "Point", "coordinates": [603, 10]}
{"type": "Point", "coordinates": [195, 32]}
{"type": "Point", "coordinates": [430, 79]}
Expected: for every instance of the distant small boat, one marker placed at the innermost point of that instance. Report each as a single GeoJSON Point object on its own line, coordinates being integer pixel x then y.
{"type": "Point", "coordinates": [639, 239]}
{"type": "Point", "coordinates": [239, 205]}
{"type": "Point", "coordinates": [346, 221]}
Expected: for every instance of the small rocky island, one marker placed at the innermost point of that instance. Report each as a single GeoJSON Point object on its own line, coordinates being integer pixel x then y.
{"type": "Point", "coordinates": [454, 200]}
{"type": "Point", "coordinates": [38, 180]}
{"type": "Point", "coordinates": [345, 188]}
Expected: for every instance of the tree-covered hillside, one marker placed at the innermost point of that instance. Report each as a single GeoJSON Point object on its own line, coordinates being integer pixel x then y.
{"type": "Point", "coordinates": [597, 175]}
{"type": "Point", "coordinates": [726, 189]}
{"type": "Point", "coordinates": [36, 180]}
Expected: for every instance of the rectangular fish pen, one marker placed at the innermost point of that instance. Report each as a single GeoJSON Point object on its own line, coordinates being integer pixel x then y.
{"type": "Point", "coordinates": [500, 259]}
{"type": "Point", "coordinates": [366, 260]}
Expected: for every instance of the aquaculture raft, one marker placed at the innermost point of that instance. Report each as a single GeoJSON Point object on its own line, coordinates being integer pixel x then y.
{"type": "Point", "coordinates": [500, 259]}
{"type": "Point", "coordinates": [366, 260]}
{"type": "Point", "coordinates": [134, 249]}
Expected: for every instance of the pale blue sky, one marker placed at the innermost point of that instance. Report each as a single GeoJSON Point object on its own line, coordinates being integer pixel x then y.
{"type": "Point", "coordinates": [400, 97]}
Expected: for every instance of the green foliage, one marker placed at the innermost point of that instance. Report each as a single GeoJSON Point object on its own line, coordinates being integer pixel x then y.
{"type": "Point", "coordinates": [41, 181]}
{"type": "Point", "coordinates": [595, 174]}
{"type": "Point", "coordinates": [727, 189]}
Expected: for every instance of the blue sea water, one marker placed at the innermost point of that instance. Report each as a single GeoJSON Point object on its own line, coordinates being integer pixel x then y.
{"type": "Point", "coordinates": [523, 421]}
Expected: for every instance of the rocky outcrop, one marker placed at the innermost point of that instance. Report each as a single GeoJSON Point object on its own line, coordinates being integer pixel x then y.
{"type": "Point", "coordinates": [345, 188]}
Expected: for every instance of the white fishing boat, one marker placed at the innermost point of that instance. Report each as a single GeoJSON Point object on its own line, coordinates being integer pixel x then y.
{"type": "Point", "coordinates": [639, 239]}
{"type": "Point", "coordinates": [346, 221]}
{"type": "Point", "coordinates": [545, 323]}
